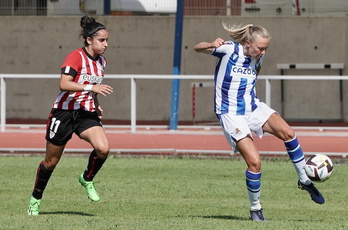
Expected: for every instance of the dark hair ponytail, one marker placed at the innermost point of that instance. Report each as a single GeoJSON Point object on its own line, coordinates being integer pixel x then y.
{"type": "Point", "coordinates": [89, 27]}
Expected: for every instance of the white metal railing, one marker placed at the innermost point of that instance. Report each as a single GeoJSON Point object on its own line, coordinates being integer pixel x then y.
{"type": "Point", "coordinates": [134, 77]}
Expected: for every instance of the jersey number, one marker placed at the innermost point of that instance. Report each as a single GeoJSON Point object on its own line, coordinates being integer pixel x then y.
{"type": "Point", "coordinates": [54, 125]}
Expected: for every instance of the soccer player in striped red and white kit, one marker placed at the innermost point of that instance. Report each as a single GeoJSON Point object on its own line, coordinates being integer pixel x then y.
{"type": "Point", "coordinates": [240, 112]}
{"type": "Point", "coordinates": [77, 110]}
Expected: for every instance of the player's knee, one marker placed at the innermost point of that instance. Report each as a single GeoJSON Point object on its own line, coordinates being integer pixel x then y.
{"type": "Point", "coordinates": [287, 134]}
{"type": "Point", "coordinates": [103, 152]}
{"type": "Point", "coordinates": [50, 164]}
{"type": "Point", "coordinates": [254, 165]}
{"type": "Point", "coordinates": [254, 168]}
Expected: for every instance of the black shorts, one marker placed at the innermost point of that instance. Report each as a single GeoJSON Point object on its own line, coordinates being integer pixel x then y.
{"type": "Point", "coordinates": [63, 123]}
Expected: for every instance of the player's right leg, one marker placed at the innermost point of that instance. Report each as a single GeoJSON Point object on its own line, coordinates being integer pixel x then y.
{"type": "Point", "coordinates": [58, 132]}
{"type": "Point", "coordinates": [253, 174]}
{"type": "Point", "coordinates": [44, 172]}
{"type": "Point", "coordinates": [238, 135]}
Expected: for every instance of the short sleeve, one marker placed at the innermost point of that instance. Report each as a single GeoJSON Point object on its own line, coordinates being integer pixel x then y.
{"type": "Point", "coordinates": [72, 64]}
{"type": "Point", "coordinates": [224, 49]}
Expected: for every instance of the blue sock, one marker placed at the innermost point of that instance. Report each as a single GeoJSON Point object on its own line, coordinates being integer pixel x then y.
{"type": "Point", "coordinates": [296, 155]}
{"type": "Point", "coordinates": [253, 183]}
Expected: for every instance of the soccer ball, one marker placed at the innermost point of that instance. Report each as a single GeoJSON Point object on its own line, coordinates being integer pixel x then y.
{"type": "Point", "coordinates": [319, 167]}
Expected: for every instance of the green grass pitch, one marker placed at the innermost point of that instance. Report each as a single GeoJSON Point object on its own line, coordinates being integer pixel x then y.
{"type": "Point", "coordinates": [168, 193]}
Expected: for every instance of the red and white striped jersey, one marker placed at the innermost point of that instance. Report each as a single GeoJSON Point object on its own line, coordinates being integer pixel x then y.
{"type": "Point", "coordinates": [86, 70]}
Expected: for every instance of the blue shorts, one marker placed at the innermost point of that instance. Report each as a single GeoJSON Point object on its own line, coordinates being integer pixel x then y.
{"type": "Point", "coordinates": [63, 123]}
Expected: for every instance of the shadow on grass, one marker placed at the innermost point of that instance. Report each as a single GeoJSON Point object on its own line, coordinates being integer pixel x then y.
{"type": "Point", "coordinates": [223, 217]}
{"type": "Point", "coordinates": [66, 213]}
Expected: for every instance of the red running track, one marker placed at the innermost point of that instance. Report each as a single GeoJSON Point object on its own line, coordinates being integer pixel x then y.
{"type": "Point", "coordinates": [312, 141]}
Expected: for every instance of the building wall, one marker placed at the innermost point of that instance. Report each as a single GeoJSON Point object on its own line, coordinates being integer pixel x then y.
{"type": "Point", "coordinates": [144, 45]}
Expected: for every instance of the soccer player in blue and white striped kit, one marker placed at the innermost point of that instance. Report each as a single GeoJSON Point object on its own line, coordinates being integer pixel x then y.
{"type": "Point", "coordinates": [240, 112]}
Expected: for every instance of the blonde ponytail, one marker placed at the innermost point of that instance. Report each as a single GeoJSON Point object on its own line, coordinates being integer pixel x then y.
{"type": "Point", "coordinates": [242, 34]}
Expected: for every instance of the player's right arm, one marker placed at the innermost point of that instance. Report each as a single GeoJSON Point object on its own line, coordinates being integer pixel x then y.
{"type": "Point", "coordinates": [208, 47]}
{"type": "Point", "coordinates": [67, 83]}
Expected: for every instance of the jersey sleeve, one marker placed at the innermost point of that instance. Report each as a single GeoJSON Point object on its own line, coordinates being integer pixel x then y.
{"type": "Point", "coordinates": [72, 64]}
{"type": "Point", "coordinates": [222, 50]}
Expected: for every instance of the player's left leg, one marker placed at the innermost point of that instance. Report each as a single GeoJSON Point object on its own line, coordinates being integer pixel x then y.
{"type": "Point", "coordinates": [97, 138]}
{"type": "Point", "coordinates": [277, 126]}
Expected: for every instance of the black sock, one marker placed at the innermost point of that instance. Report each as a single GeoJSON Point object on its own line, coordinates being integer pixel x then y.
{"type": "Point", "coordinates": [94, 164]}
{"type": "Point", "coordinates": [42, 177]}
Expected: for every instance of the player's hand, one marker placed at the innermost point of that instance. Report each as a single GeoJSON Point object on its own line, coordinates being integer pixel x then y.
{"type": "Point", "coordinates": [217, 43]}
{"type": "Point", "coordinates": [102, 89]}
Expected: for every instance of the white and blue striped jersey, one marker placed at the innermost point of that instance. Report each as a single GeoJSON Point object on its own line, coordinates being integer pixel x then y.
{"type": "Point", "coordinates": [235, 79]}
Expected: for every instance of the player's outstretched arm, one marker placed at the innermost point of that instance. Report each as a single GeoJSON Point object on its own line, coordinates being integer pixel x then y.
{"type": "Point", "coordinates": [208, 47]}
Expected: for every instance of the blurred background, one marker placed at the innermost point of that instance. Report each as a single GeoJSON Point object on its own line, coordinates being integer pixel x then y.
{"type": "Point", "coordinates": [164, 7]}
{"type": "Point", "coordinates": [38, 34]}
